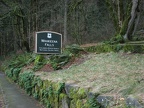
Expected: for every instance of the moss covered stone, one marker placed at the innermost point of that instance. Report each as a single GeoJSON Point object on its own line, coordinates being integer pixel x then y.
{"type": "Point", "coordinates": [102, 48]}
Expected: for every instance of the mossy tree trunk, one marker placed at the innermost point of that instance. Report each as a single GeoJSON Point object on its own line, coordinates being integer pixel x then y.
{"type": "Point", "coordinates": [133, 21]}
{"type": "Point", "coordinates": [75, 11]}
{"type": "Point", "coordinates": [125, 15]}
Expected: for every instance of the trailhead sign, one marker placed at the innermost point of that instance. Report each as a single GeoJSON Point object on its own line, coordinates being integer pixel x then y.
{"type": "Point", "coordinates": [47, 42]}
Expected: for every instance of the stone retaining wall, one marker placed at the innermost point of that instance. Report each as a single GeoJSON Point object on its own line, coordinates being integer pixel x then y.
{"type": "Point", "coordinates": [61, 95]}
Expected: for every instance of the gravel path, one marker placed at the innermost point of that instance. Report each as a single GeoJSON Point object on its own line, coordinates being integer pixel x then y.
{"type": "Point", "coordinates": [13, 97]}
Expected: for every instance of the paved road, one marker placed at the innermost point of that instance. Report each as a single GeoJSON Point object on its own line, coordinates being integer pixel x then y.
{"type": "Point", "coordinates": [13, 97]}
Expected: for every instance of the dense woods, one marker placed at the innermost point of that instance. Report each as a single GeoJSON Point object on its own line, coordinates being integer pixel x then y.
{"type": "Point", "coordinates": [80, 21]}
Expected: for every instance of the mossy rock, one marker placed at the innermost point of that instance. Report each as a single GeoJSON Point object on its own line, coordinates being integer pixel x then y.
{"type": "Point", "coordinates": [100, 48]}
{"type": "Point", "coordinates": [103, 48]}
{"type": "Point", "coordinates": [134, 48]}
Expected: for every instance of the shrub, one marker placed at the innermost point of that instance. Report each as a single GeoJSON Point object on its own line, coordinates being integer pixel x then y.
{"type": "Point", "coordinates": [57, 61]}
{"type": "Point", "coordinates": [39, 62]}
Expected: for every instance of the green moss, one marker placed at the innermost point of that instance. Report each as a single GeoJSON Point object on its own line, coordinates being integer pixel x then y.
{"type": "Point", "coordinates": [82, 93]}
{"type": "Point", "coordinates": [73, 104]}
{"type": "Point", "coordinates": [50, 93]}
{"type": "Point", "coordinates": [60, 88]}
{"type": "Point", "coordinates": [63, 100]}
{"type": "Point", "coordinates": [79, 103]}
{"type": "Point", "coordinates": [46, 83]}
{"type": "Point", "coordinates": [102, 48]}
{"type": "Point", "coordinates": [37, 86]}
{"type": "Point", "coordinates": [59, 93]}
{"type": "Point", "coordinates": [62, 95]}
{"type": "Point", "coordinates": [73, 93]}
{"type": "Point", "coordinates": [134, 48]}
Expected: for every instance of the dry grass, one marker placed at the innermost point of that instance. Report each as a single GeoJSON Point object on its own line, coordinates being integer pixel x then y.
{"type": "Point", "coordinates": [110, 73]}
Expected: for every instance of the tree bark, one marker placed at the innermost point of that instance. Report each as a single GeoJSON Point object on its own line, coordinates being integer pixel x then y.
{"type": "Point", "coordinates": [65, 23]}
{"type": "Point", "coordinates": [1, 43]}
{"type": "Point", "coordinates": [133, 22]}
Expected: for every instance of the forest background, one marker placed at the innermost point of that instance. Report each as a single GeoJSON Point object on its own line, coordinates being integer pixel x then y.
{"type": "Point", "coordinates": [80, 21]}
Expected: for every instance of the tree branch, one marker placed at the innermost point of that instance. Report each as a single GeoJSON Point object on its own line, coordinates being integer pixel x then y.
{"type": "Point", "coordinates": [4, 3]}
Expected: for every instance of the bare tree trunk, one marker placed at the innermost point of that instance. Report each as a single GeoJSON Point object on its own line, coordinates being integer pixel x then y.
{"type": "Point", "coordinates": [136, 23]}
{"type": "Point", "coordinates": [65, 23]}
{"type": "Point", "coordinates": [132, 24]}
{"type": "Point", "coordinates": [4, 45]}
{"type": "Point", "coordinates": [1, 45]}
{"type": "Point", "coordinates": [120, 12]}
{"type": "Point", "coordinates": [14, 35]}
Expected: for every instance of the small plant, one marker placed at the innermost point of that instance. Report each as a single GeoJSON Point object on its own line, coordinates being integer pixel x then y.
{"type": "Point", "coordinates": [18, 61]}
{"type": "Point", "coordinates": [14, 66]}
{"type": "Point", "coordinates": [38, 59]}
{"type": "Point", "coordinates": [39, 62]}
{"type": "Point", "coordinates": [57, 61]}
{"type": "Point", "coordinates": [15, 74]}
{"type": "Point", "coordinates": [73, 49]}
{"type": "Point", "coordinates": [116, 39]}
{"type": "Point", "coordinates": [8, 72]}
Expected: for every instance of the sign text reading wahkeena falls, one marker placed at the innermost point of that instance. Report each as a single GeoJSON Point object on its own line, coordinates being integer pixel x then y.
{"type": "Point", "coordinates": [48, 42]}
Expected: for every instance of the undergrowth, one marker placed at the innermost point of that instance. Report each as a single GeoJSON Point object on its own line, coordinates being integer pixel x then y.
{"type": "Point", "coordinates": [105, 48]}
{"type": "Point", "coordinates": [39, 62]}
{"type": "Point", "coordinates": [25, 81]}
{"type": "Point", "coordinates": [57, 61]}
{"type": "Point", "coordinates": [52, 94]}
{"type": "Point", "coordinates": [13, 67]}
